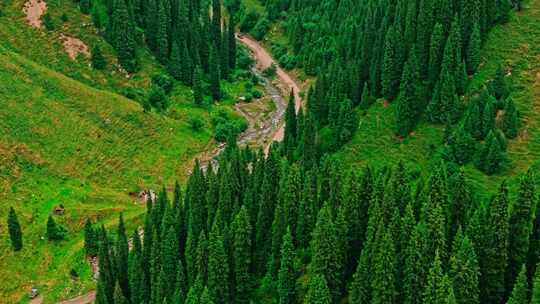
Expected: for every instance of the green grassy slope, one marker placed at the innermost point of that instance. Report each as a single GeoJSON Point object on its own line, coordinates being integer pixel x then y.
{"type": "Point", "coordinates": [66, 143]}
{"type": "Point", "coordinates": [517, 45]}
{"type": "Point", "coordinates": [68, 138]}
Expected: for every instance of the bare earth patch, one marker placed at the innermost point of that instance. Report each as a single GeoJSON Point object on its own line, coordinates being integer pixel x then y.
{"type": "Point", "coordinates": [74, 46]}
{"type": "Point", "coordinates": [34, 9]}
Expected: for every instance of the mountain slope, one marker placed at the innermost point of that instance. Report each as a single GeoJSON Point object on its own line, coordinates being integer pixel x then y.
{"type": "Point", "coordinates": [66, 143]}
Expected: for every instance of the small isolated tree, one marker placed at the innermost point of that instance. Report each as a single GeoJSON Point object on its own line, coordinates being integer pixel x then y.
{"type": "Point", "coordinates": [15, 233]}
{"type": "Point", "coordinates": [48, 22]}
{"type": "Point", "coordinates": [90, 239]}
{"type": "Point", "coordinates": [54, 233]}
{"type": "Point", "coordinates": [157, 98]}
{"type": "Point", "coordinates": [500, 87]}
{"type": "Point", "coordinates": [510, 120]}
{"type": "Point", "coordinates": [98, 61]}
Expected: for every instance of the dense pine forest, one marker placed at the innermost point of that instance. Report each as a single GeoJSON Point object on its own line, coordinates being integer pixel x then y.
{"type": "Point", "coordinates": [264, 230]}
{"type": "Point", "coordinates": [165, 84]}
{"type": "Point", "coordinates": [418, 54]}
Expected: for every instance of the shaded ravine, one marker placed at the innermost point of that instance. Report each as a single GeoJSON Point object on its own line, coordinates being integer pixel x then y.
{"type": "Point", "coordinates": [269, 130]}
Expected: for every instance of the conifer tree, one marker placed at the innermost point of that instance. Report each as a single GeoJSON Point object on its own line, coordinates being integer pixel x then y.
{"type": "Point", "coordinates": [290, 136]}
{"type": "Point", "coordinates": [492, 157]}
{"type": "Point", "coordinates": [214, 74]}
{"type": "Point", "coordinates": [415, 270]}
{"type": "Point", "coordinates": [500, 87]}
{"type": "Point", "coordinates": [383, 284]}
{"type": "Point", "coordinates": [242, 256]}
{"type": "Point", "coordinates": [197, 86]}
{"type": "Point", "coordinates": [406, 108]}
{"type": "Point", "coordinates": [438, 288]}
{"type": "Point", "coordinates": [174, 65]}
{"type": "Point", "coordinates": [287, 271]}
{"type": "Point", "coordinates": [218, 268]}
{"type": "Point", "coordinates": [473, 50]}
{"type": "Point", "coordinates": [232, 42]}
{"type": "Point", "coordinates": [496, 254]}
{"type": "Point", "coordinates": [365, 100]}
{"type": "Point", "coordinates": [488, 116]}
{"type": "Point", "coordinates": [98, 61]}
{"type": "Point", "coordinates": [464, 271]}
{"type": "Point", "coordinates": [90, 239]}
{"type": "Point", "coordinates": [520, 292]}
{"type": "Point", "coordinates": [435, 54]}
{"type": "Point", "coordinates": [53, 232]}
{"type": "Point", "coordinates": [15, 233]}
{"type": "Point", "coordinates": [510, 120]}
{"type": "Point", "coordinates": [520, 227]}
{"type": "Point", "coordinates": [461, 145]}
{"type": "Point", "coordinates": [535, 293]}
{"type": "Point", "coordinates": [123, 36]}
{"type": "Point", "coordinates": [326, 260]}
{"type": "Point", "coordinates": [119, 297]}
{"type": "Point", "coordinates": [424, 31]}
{"type": "Point", "coordinates": [318, 292]}
{"type": "Point", "coordinates": [121, 262]}
{"type": "Point", "coordinates": [205, 297]}
{"type": "Point", "coordinates": [391, 71]}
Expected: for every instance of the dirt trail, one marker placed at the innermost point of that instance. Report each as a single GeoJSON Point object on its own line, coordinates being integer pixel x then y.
{"type": "Point", "coordinates": [84, 299]}
{"type": "Point", "coordinates": [261, 131]}
{"type": "Point", "coordinates": [34, 9]}
{"type": "Point", "coordinates": [265, 60]}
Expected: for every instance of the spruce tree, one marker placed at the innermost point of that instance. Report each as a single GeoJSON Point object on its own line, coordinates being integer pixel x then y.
{"type": "Point", "coordinates": [123, 36]}
{"type": "Point", "coordinates": [435, 54]}
{"type": "Point", "coordinates": [473, 50]}
{"type": "Point", "coordinates": [520, 292]}
{"type": "Point", "coordinates": [407, 102]}
{"type": "Point", "coordinates": [535, 293]}
{"type": "Point", "coordinates": [520, 227]}
{"type": "Point", "coordinates": [391, 70]}
{"type": "Point", "coordinates": [290, 136]}
{"type": "Point", "coordinates": [121, 262]}
{"type": "Point", "coordinates": [119, 297]}
{"type": "Point", "coordinates": [90, 239]}
{"type": "Point", "coordinates": [214, 74]}
{"type": "Point", "coordinates": [53, 231]}
{"type": "Point", "coordinates": [510, 120]}
{"type": "Point", "coordinates": [500, 87]}
{"type": "Point", "coordinates": [287, 271]}
{"type": "Point", "coordinates": [318, 292]}
{"type": "Point", "coordinates": [97, 59]}
{"type": "Point", "coordinates": [464, 271]}
{"type": "Point", "coordinates": [384, 280]}
{"type": "Point", "coordinates": [14, 228]}
{"type": "Point", "coordinates": [326, 260]}
{"type": "Point", "coordinates": [496, 253]}
{"type": "Point", "coordinates": [218, 268]}
{"type": "Point", "coordinates": [197, 86]}
{"type": "Point", "coordinates": [242, 256]}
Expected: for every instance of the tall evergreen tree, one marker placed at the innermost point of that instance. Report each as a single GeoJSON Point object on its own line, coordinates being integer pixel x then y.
{"type": "Point", "coordinates": [214, 74]}
{"type": "Point", "coordinates": [318, 292]}
{"type": "Point", "coordinates": [520, 293]}
{"type": "Point", "coordinates": [406, 112]}
{"type": "Point", "coordinates": [287, 271]}
{"type": "Point", "coordinates": [242, 256]}
{"type": "Point", "coordinates": [510, 120]}
{"type": "Point", "coordinates": [15, 232]}
{"type": "Point", "coordinates": [123, 36]}
{"type": "Point", "coordinates": [218, 268]}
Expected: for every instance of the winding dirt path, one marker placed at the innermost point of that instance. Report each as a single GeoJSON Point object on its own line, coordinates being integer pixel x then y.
{"type": "Point", "coordinates": [262, 132]}
{"type": "Point", "coordinates": [265, 60]}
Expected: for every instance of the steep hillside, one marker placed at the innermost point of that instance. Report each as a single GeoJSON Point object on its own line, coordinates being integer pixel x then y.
{"type": "Point", "coordinates": [516, 44]}
{"type": "Point", "coordinates": [67, 143]}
